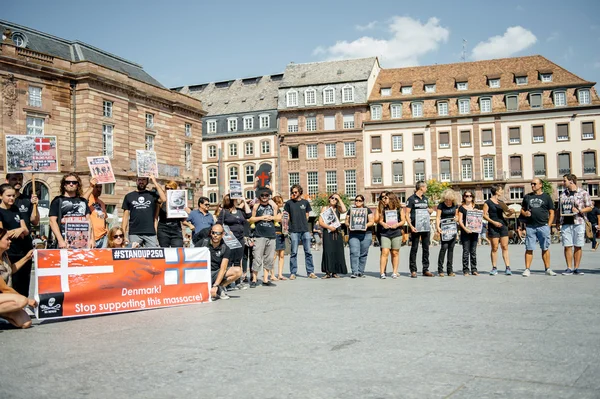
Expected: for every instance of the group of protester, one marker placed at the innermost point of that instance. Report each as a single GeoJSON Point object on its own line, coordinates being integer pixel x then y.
{"type": "Point", "coordinates": [247, 237]}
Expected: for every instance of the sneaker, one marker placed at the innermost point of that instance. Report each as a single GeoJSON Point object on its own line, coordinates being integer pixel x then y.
{"type": "Point", "coordinates": [253, 284]}
{"type": "Point", "coordinates": [223, 295]}
{"type": "Point", "coordinates": [567, 272]}
{"type": "Point", "coordinates": [549, 272]}
{"type": "Point", "coordinates": [242, 286]}
{"type": "Point", "coordinates": [493, 272]}
{"type": "Point", "coordinates": [526, 273]}
{"type": "Point", "coordinates": [578, 272]}
{"type": "Point", "coordinates": [234, 288]}
{"type": "Point", "coordinates": [394, 275]}
{"type": "Point", "coordinates": [382, 276]}
{"type": "Point", "coordinates": [361, 275]}
{"type": "Point", "coordinates": [507, 271]}
{"type": "Point", "coordinates": [354, 275]}
{"type": "Point", "coordinates": [268, 284]}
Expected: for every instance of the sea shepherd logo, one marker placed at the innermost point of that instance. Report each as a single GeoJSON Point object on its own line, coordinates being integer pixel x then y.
{"type": "Point", "coordinates": [51, 305]}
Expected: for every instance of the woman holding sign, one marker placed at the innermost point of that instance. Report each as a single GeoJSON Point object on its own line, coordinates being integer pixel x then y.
{"type": "Point", "coordinates": [333, 262]}
{"type": "Point", "coordinates": [470, 220]}
{"type": "Point", "coordinates": [390, 218]}
{"type": "Point", "coordinates": [359, 221]}
{"type": "Point", "coordinates": [169, 231]}
{"type": "Point", "coordinates": [493, 212]}
{"type": "Point", "coordinates": [445, 221]}
{"type": "Point", "coordinates": [234, 215]}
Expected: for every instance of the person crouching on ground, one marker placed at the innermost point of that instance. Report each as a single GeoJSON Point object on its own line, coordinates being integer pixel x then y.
{"type": "Point", "coordinates": [221, 275]}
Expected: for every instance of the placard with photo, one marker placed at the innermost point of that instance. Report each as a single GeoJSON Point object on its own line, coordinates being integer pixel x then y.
{"type": "Point", "coordinates": [449, 229]}
{"type": "Point", "coordinates": [147, 165]}
{"type": "Point", "coordinates": [474, 220]}
{"type": "Point", "coordinates": [330, 218]}
{"type": "Point", "coordinates": [31, 154]}
{"type": "Point", "coordinates": [358, 219]}
{"type": "Point", "coordinates": [101, 169]}
{"type": "Point", "coordinates": [176, 204]}
{"type": "Point", "coordinates": [235, 189]}
{"type": "Point", "coordinates": [422, 220]}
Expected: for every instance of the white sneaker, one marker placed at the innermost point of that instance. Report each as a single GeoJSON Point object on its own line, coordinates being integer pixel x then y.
{"type": "Point", "coordinates": [526, 273]}
{"type": "Point", "coordinates": [549, 272]}
{"type": "Point", "coordinates": [394, 275]}
{"type": "Point", "coordinates": [382, 276]}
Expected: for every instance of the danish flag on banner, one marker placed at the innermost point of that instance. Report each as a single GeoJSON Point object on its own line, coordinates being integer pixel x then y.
{"type": "Point", "coordinates": [42, 144]}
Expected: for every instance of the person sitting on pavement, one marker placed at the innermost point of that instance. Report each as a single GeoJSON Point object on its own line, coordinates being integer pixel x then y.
{"type": "Point", "coordinates": [221, 274]}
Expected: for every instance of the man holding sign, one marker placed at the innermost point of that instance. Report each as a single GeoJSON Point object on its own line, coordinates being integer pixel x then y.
{"type": "Point", "coordinates": [139, 213]}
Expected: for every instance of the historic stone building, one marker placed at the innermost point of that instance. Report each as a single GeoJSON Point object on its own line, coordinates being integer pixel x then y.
{"type": "Point", "coordinates": [475, 124]}
{"type": "Point", "coordinates": [95, 103]}
{"type": "Point", "coordinates": [239, 131]}
{"type": "Point", "coordinates": [322, 107]}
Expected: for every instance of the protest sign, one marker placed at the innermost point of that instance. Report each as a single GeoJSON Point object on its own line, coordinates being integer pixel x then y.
{"type": "Point", "coordinates": [330, 218]}
{"type": "Point", "coordinates": [391, 217]}
{"type": "Point", "coordinates": [474, 221]}
{"type": "Point", "coordinates": [358, 219]}
{"type": "Point", "coordinates": [229, 239]}
{"type": "Point", "coordinates": [147, 165]}
{"type": "Point", "coordinates": [285, 222]}
{"type": "Point", "coordinates": [31, 154]}
{"type": "Point", "coordinates": [77, 231]}
{"type": "Point", "coordinates": [176, 203]}
{"type": "Point", "coordinates": [566, 206]}
{"type": "Point", "coordinates": [101, 169]}
{"type": "Point", "coordinates": [449, 229]}
{"type": "Point", "coordinates": [422, 220]}
{"type": "Point", "coordinates": [78, 282]}
{"type": "Point", "coordinates": [235, 189]}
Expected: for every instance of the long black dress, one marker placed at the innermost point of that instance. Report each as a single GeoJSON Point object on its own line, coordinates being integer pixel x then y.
{"type": "Point", "coordinates": [334, 260]}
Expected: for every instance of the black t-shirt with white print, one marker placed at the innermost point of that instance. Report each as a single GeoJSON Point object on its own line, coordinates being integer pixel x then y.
{"type": "Point", "coordinates": [142, 208]}
{"type": "Point", "coordinates": [69, 207]}
{"type": "Point", "coordinates": [11, 219]}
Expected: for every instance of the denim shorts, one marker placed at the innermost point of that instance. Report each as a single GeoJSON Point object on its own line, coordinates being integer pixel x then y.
{"type": "Point", "coordinates": [572, 235]}
{"type": "Point", "coordinates": [541, 234]}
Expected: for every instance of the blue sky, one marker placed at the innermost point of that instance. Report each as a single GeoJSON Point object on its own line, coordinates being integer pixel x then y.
{"type": "Point", "coordinates": [189, 42]}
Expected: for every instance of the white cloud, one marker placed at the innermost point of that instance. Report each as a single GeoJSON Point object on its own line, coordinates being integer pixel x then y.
{"type": "Point", "coordinates": [368, 26]}
{"type": "Point", "coordinates": [515, 39]}
{"type": "Point", "coordinates": [408, 40]}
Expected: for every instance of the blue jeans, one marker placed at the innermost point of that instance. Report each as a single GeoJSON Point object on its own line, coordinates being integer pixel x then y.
{"type": "Point", "coordinates": [359, 249]}
{"type": "Point", "coordinates": [305, 237]}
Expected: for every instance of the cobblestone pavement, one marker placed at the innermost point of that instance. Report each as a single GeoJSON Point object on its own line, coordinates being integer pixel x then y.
{"type": "Point", "coordinates": [460, 337]}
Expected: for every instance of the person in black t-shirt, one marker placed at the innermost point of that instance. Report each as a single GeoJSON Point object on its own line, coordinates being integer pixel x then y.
{"type": "Point", "coordinates": [593, 219]}
{"type": "Point", "coordinates": [234, 215]}
{"type": "Point", "coordinates": [493, 212]}
{"type": "Point", "coordinates": [139, 213]}
{"type": "Point", "coordinates": [69, 203]}
{"type": "Point", "coordinates": [169, 231]}
{"type": "Point", "coordinates": [446, 215]}
{"type": "Point", "coordinates": [221, 275]}
{"type": "Point", "coordinates": [264, 217]}
{"type": "Point", "coordinates": [28, 211]}
{"type": "Point", "coordinates": [418, 201]}
{"type": "Point", "coordinates": [298, 210]}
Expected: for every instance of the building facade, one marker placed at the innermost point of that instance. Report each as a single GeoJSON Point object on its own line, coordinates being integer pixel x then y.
{"type": "Point", "coordinates": [322, 107]}
{"type": "Point", "coordinates": [476, 124]}
{"type": "Point", "coordinates": [240, 132]}
{"type": "Point", "coordinates": [95, 103]}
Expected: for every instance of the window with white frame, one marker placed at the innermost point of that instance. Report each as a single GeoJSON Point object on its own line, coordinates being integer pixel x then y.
{"type": "Point", "coordinates": [587, 130]}
{"type": "Point", "coordinates": [417, 110]}
{"type": "Point", "coordinates": [517, 193]}
{"type": "Point", "coordinates": [265, 147]}
{"type": "Point", "coordinates": [467, 169]}
{"type": "Point", "coordinates": [348, 121]}
{"type": "Point", "coordinates": [464, 106]}
{"type": "Point", "coordinates": [329, 96]}
{"type": "Point", "coordinates": [294, 178]}
{"type": "Point", "coordinates": [249, 169]}
{"type": "Point", "coordinates": [376, 112]}
{"type": "Point", "coordinates": [350, 177]}
{"type": "Point", "coordinates": [250, 194]}
{"type": "Point", "coordinates": [386, 92]}
{"type": "Point", "coordinates": [188, 130]}
{"type": "Point", "coordinates": [292, 125]}
{"type": "Point", "coordinates": [233, 150]}
{"type": "Point", "coordinates": [521, 80]}
{"type": "Point", "coordinates": [537, 133]}
{"type": "Point", "coordinates": [35, 96]}
{"type": "Point", "coordinates": [406, 89]}
{"type": "Point", "coordinates": [583, 95]}
{"type": "Point", "coordinates": [560, 98]}
{"type": "Point", "coordinates": [233, 173]}
{"type": "Point", "coordinates": [494, 83]}
{"type": "Point", "coordinates": [149, 121]}
{"type": "Point", "coordinates": [35, 126]}
{"type": "Point", "coordinates": [149, 143]}
{"type": "Point", "coordinates": [562, 132]}
{"type": "Point", "coordinates": [331, 181]}
{"type": "Point", "coordinates": [348, 94]}
{"type": "Point", "coordinates": [592, 189]}
{"type": "Point", "coordinates": [188, 156]}
{"type": "Point", "coordinates": [465, 138]}
{"type": "Point", "coordinates": [444, 139]}
{"type": "Point", "coordinates": [264, 121]}
{"type": "Point", "coordinates": [485, 104]}
{"type": "Point", "coordinates": [329, 122]}
{"type": "Point", "coordinates": [249, 148]}
{"type": "Point", "coordinates": [211, 126]}
{"type": "Point", "coordinates": [546, 77]}
{"type": "Point", "coordinates": [232, 124]}
{"type": "Point", "coordinates": [419, 171]}
{"type": "Point", "coordinates": [375, 143]}
{"type": "Point", "coordinates": [430, 88]}
{"type": "Point", "coordinates": [488, 168]}
{"type": "Point", "coordinates": [398, 172]}
{"type": "Point", "coordinates": [442, 108]}
{"type": "Point", "coordinates": [310, 97]}
{"type": "Point", "coordinates": [107, 140]}
{"type": "Point", "coordinates": [396, 111]}
{"type": "Point", "coordinates": [350, 149]}
{"type": "Point", "coordinates": [376, 173]}
{"type": "Point", "coordinates": [212, 197]}
{"type": "Point", "coordinates": [212, 151]}
{"type": "Point", "coordinates": [292, 98]}
{"type": "Point", "coordinates": [330, 150]}
{"type": "Point", "coordinates": [248, 123]}
{"type": "Point", "coordinates": [486, 193]}
{"type": "Point", "coordinates": [418, 141]}
{"type": "Point", "coordinates": [445, 170]}
{"type": "Point", "coordinates": [313, 183]}
{"type": "Point", "coordinates": [397, 142]}
{"type": "Point", "coordinates": [107, 109]}
{"type": "Point", "coordinates": [311, 151]}
{"type": "Point", "coordinates": [462, 86]}
{"type": "Point", "coordinates": [212, 176]}
{"type": "Point", "coordinates": [109, 189]}
{"type": "Point", "coordinates": [487, 137]}
{"type": "Point", "coordinates": [514, 135]}
{"type": "Point", "coordinates": [311, 124]}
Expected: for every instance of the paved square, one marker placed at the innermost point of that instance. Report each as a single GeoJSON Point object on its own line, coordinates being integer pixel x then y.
{"type": "Point", "coordinates": [461, 337]}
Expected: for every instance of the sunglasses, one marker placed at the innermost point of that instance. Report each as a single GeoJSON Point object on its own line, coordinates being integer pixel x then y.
{"type": "Point", "coordinates": [118, 236]}
{"type": "Point", "coordinates": [295, 192]}
{"type": "Point", "coordinates": [332, 198]}
{"type": "Point", "coordinates": [533, 184]}
{"type": "Point", "coordinates": [358, 200]}
{"type": "Point", "coordinates": [468, 196]}
{"type": "Point", "coordinates": [264, 196]}
{"type": "Point", "coordinates": [384, 198]}
{"type": "Point", "coordinates": [216, 233]}
{"type": "Point", "coordinates": [71, 182]}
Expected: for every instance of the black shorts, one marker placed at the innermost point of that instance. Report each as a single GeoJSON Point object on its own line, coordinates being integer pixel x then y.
{"type": "Point", "coordinates": [236, 256]}
{"type": "Point", "coordinates": [213, 276]}
{"type": "Point", "coordinates": [497, 232]}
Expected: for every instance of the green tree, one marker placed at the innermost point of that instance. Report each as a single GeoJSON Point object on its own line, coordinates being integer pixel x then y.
{"type": "Point", "coordinates": [547, 187]}
{"type": "Point", "coordinates": [435, 190]}
{"type": "Point", "coordinates": [321, 200]}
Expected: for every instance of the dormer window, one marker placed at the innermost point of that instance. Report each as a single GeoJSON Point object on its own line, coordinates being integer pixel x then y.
{"type": "Point", "coordinates": [546, 77]}
{"type": "Point", "coordinates": [292, 98]}
{"type": "Point", "coordinates": [560, 98]}
{"type": "Point", "coordinates": [19, 39]}
{"type": "Point", "coordinates": [521, 80]}
{"type": "Point", "coordinates": [462, 86]}
{"type": "Point", "coordinates": [348, 94]}
{"type": "Point", "coordinates": [310, 97]}
{"type": "Point", "coordinates": [406, 89]}
{"type": "Point", "coordinates": [328, 96]}
{"type": "Point", "coordinates": [417, 109]}
{"type": "Point", "coordinates": [386, 92]}
{"type": "Point", "coordinates": [583, 95]}
{"type": "Point", "coordinates": [494, 83]}
{"type": "Point", "coordinates": [430, 88]}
